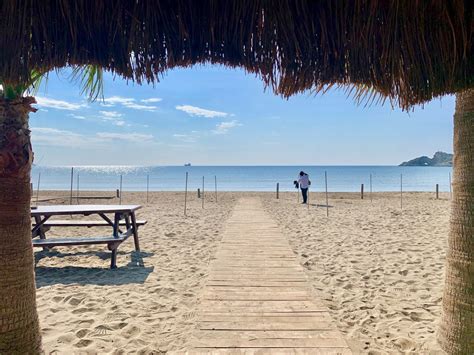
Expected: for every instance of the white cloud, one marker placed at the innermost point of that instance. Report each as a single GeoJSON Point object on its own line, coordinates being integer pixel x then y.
{"type": "Point", "coordinates": [140, 107]}
{"type": "Point", "coordinates": [79, 117]}
{"type": "Point", "coordinates": [113, 100]}
{"type": "Point", "coordinates": [129, 103]}
{"type": "Point", "coordinates": [57, 104]}
{"type": "Point", "coordinates": [61, 138]}
{"type": "Point", "coordinates": [130, 137]}
{"type": "Point", "coordinates": [152, 100]}
{"type": "Point", "coordinates": [224, 127]}
{"type": "Point", "coordinates": [197, 111]}
{"type": "Point", "coordinates": [113, 117]}
{"type": "Point", "coordinates": [188, 138]}
{"type": "Point", "coordinates": [111, 114]}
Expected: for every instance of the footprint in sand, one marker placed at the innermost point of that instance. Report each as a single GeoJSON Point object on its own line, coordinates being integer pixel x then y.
{"type": "Point", "coordinates": [101, 330]}
{"type": "Point", "coordinates": [81, 333]}
{"type": "Point", "coordinates": [189, 315]}
{"type": "Point", "coordinates": [74, 301]}
{"type": "Point", "coordinates": [116, 316]}
{"type": "Point", "coordinates": [82, 310]}
{"type": "Point", "coordinates": [83, 343]}
{"type": "Point", "coordinates": [404, 344]}
{"type": "Point", "coordinates": [67, 338]}
{"type": "Point", "coordinates": [57, 299]}
{"type": "Point", "coordinates": [119, 325]}
{"type": "Point", "coordinates": [130, 332]}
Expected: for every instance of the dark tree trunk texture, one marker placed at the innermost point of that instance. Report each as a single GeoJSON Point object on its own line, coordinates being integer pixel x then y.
{"type": "Point", "coordinates": [19, 326]}
{"type": "Point", "coordinates": [456, 335]}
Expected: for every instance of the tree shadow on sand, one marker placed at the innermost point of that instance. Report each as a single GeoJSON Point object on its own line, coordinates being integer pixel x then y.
{"type": "Point", "coordinates": [134, 272]}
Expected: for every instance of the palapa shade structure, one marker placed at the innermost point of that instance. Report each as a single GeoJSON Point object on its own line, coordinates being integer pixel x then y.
{"type": "Point", "coordinates": [406, 51]}
{"type": "Point", "coordinates": [409, 51]}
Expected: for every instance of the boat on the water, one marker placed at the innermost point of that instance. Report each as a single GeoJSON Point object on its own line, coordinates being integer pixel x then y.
{"type": "Point", "coordinates": [187, 164]}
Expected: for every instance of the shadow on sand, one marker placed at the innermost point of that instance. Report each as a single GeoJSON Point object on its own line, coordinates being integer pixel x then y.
{"type": "Point", "coordinates": [134, 272]}
{"type": "Point", "coordinates": [317, 205]}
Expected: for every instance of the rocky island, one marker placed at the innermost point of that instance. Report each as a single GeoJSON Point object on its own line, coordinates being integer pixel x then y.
{"type": "Point", "coordinates": [439, 159]}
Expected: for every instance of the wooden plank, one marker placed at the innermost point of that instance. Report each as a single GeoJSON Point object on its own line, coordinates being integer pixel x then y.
{"type": "Point", "coordinates": [263, 277]}
{"type": "Point", "coordinates": [283, 288]}
{"type": "Point", "coordinates": [258, 291]}
{"type": "Point", "coordinates": [268, 318]}
{"type": "Point", "coordinates": [263, 306]}
{"type": "Point", "coordinates": [271, 334]}
{"type": "Point", "coordinates": [83, 223]}
{"type": "Point", "coordinates": [56, 242]}
{"type": "Point", "coordinates": [272, 343]}
{"type": "Point", "coordinates": [265, 270]}
{"type": "Point", "coordinates": [274, 325]}
{"type": "Point", "coordinates": [256, 283]}
{"type": "Point", "coordinates": [58, 210]}
{"type": "Point", "coordinates": [255, 297]}
{"type": "Point", "coordinates": [271, 351]}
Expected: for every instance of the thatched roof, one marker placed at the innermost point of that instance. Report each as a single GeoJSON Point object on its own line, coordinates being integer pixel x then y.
{"type": "Point", "coordinates": [407, 50]}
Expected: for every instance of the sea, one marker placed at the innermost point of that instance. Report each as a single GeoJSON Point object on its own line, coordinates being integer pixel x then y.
{"type": "Point", "coordinates": [240, 178]}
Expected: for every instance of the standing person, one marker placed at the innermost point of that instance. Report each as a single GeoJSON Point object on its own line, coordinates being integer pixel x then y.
{"type": "Point", "coordinates": [304, 183]}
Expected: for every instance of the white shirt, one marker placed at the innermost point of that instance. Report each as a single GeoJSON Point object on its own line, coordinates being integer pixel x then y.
{"type": "Point", "coordinates": [304, 181]}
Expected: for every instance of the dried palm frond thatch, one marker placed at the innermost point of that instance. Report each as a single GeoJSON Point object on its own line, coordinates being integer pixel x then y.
{"type": "Point", "coordinates": [408, 51]}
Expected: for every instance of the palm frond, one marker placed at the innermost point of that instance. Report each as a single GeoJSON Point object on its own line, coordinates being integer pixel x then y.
{"type": "Point", "coordinates": [36, 79]}
{"type": "Point", "coordinates": [91, 80]}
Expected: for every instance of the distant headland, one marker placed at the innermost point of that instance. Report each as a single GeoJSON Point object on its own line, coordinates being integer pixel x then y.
{"type": "Point", "coordinates": [439, 159]}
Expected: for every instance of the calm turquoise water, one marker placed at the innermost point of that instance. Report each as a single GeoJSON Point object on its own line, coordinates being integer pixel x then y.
{"type": "Point", "coordinates": [242, 178]}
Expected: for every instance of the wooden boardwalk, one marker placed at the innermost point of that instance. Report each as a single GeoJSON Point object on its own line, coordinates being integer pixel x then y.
{"type": "Point", "coordinates": [257, 298]}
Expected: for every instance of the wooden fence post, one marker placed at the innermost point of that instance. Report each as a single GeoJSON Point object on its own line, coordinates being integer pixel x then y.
{"type": "Point", "coordinates": [120, 189]}
{"type": "Point", "coordinates": [437, 191]}
{"type": "Point", "coordinates": [72, 182]}
{"type": "Point", "coordinates": [77, 192]}
{"type": "Point", "coordinates": [361, 191]}
{"type": "Point", "coordinates": [38, 188]}
{"type": "Point", "coordinates": [278, 190]}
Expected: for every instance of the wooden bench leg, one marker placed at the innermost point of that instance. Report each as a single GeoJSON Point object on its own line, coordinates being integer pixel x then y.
{"type": "Point", "coordinates": [135, 231]}
{"type": "Point", "coordinates": [41, 229]}
{"type": "Point", "coordinates": [113, 258]}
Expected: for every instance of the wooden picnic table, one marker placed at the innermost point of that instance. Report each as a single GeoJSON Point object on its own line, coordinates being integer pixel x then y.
{"type": "Point", "coordinates": [121, 214]}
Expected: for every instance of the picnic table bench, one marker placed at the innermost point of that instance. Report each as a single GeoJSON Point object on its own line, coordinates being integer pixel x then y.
{"type": "Point", "coordinates": [84, 223]}
{"type": "Point", "coordinates": [123, 215]}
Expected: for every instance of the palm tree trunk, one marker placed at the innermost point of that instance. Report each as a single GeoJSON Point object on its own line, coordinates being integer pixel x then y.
{"type": "Point", "coordinates": [19, 326]}
{"type": "Point", "coordinates": [456, 334]}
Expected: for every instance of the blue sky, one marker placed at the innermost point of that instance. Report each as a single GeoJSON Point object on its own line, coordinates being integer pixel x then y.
{"type": "Point", "coordinates": [210, 115]}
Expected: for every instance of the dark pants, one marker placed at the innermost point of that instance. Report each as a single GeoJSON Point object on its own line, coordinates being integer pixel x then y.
{"type": "Point", "coordinates": [304, 192]}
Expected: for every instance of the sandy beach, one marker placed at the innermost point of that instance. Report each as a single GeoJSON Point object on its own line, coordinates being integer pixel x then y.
{"type": "Point", "coordinates": [379, 270]}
